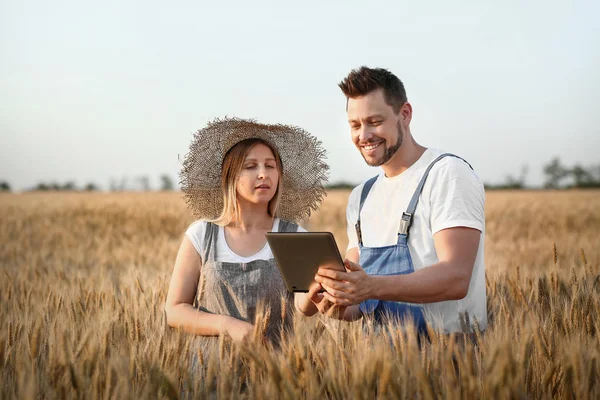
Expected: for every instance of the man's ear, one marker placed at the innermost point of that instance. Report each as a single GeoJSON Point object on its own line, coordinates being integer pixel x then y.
{"type": "Point", "coordinates": [406, 113]}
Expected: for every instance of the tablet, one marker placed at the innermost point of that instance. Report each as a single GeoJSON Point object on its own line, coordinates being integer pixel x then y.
{"type": "Point", "coordinates": [298, 256]}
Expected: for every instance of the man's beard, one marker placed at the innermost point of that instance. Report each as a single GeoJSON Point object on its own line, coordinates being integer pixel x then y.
{"type": "Point", "coordinates": [388, 152]}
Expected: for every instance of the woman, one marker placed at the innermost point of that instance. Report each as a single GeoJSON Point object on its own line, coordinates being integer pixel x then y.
{"type": "Point", "coordinates": [241, 179]}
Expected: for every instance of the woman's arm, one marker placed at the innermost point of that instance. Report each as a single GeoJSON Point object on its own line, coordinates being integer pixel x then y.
{"type": "Point", "coordinates": [304, 304]}
{"type": "Point", "coordinates": [308, 304]}
{"type": "Point", "coordinates": [182, 291]}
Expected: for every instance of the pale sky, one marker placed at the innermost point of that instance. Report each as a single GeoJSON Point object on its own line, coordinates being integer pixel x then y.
{"type": "Point", "coordinates": [91, 91]}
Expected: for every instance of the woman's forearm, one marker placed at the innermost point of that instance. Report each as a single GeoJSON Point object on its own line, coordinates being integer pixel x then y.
{"type": "Point", "coordinates": [352, 313]}
{"type": "Point", "coordinates": [195, 321]}
{"type": "Point", "coordinates": [304, 305]}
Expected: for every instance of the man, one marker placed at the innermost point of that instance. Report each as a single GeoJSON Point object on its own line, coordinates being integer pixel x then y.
{"type": "Point", "coordinates": [416, 231]}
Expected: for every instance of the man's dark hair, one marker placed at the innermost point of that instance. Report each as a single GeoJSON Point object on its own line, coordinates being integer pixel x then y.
{"type": "Point", "coordinates": [364, 80]}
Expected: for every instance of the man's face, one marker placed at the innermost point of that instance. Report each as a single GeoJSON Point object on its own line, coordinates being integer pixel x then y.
{"type": "Point", "coordinates": [376, 130]}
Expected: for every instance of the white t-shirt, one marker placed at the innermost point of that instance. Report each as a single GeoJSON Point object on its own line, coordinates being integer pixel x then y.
{"type": "Point", "coordinates": [452, 196]}
{"type": "Point", "coordinates": [197, 230]}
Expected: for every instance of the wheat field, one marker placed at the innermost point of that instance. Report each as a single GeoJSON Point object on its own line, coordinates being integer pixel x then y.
{"type": "Point", "coordinates": [84, 279]}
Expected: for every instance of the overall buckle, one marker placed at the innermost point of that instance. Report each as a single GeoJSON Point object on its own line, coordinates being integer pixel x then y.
{"type": "Point", "coordinates": [358, 232]}
{"type": "Point", "coordinates": [405, 223]}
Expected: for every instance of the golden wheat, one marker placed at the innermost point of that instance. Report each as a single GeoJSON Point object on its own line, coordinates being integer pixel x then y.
{"type": "Point", "coordinates": [85, 277]}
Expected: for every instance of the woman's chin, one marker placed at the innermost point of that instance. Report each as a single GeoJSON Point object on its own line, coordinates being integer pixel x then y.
{"type": "Point", "coordinates": [257, 200]}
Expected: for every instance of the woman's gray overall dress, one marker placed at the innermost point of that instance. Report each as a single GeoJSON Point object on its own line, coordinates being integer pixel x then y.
{"type": "Point", "coordinates": [238, 289]}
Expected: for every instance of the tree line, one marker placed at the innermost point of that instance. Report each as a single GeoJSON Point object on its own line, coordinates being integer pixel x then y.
{"type": "Point", "coordinates": [115, 185]}
{"type": "Point", "coordinates": [557, 176]}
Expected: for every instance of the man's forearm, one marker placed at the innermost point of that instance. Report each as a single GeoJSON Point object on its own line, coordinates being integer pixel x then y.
{"type": "Point", "coordinates": [439, 282]}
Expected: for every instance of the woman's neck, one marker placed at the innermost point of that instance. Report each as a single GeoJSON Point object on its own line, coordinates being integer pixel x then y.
{"type": "Point", "coordinates": [252, 216]}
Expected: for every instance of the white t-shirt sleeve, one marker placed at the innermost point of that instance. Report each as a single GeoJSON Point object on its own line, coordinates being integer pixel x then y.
{"type": "Point", "coordinates": [352, 216]}
{"type": "Point", "coordinates": [457, 197]}
{"type": "Point", "coordinates": [195, 233]}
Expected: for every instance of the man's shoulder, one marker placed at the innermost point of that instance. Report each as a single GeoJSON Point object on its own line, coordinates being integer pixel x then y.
{"type": "Point", "coordinates": [453, 171]}
{"type": "Point", "coordinates": [452, 167]}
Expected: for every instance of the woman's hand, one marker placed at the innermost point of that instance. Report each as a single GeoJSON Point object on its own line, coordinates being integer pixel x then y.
{"type": "Point", "coordinates": [238, 330]}
{"type": "Point", "coordinates": [325, 306]}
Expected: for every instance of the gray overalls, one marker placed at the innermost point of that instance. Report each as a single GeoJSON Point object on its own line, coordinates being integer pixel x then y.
{"type": "Point", "coordinates": [236, 289]}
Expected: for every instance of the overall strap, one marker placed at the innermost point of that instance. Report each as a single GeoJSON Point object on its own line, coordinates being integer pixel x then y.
{"type": "Point", "coordinates": [287, 226]}
{"type": "Point", "coordinates": [407, 216]}
{"type": "Point", "coordinates": [363, 196]}
{"type": "Point", "coordinates": [209, 246]}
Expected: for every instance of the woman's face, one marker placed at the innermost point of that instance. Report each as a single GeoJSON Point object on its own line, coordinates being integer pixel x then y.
{"type": "Point", "coordinates": [259, 177]}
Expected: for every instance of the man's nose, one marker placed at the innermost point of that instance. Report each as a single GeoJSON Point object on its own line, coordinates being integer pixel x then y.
{"type": "Point", "coordinates": [364, 134]}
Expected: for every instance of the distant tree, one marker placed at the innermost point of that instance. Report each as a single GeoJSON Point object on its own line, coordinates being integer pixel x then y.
{"type": "Point", "coordinates": [144, 182]}
{"type": "Point", "coordinates": [123, 183]}
{"type": "Point", "coordinates": [555, 172]}
{"type": "Point", "coordinates": [510, 182]}
{"type": "Point", "coordinates": [119, 186]}
{"type": "Point", "coordinates": [516, 183]}
{"type": "Point", "coordinates": [90, 187]}
{"type": "Point", "coordinates": [42, 186]}
{"type": "Point", "coordinates": [4, 187]}
{"type": "Point", "coordinates": [69, 186]}
{"type": "Point", "coordinates": [581, 176]}
{"type": "Point", "coordinates": [341, 185]}
{"type": "Point", "coordinates": [596, 172]}
{"type": "Point", "coordinates": [523, 175]}
{"type": "Point", "coordinates": [166, 183]}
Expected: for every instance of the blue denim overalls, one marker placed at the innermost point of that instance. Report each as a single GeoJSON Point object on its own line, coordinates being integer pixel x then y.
{"type": "Point", "coordinates": [393, 260]}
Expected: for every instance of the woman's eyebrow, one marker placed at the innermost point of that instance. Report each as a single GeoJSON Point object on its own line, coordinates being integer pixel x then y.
{"type": "Point", "coordinates": [255, 160]}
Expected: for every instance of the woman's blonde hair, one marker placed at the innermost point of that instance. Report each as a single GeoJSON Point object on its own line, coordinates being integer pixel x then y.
{"type": "Point", "coordinates": [232, 165]}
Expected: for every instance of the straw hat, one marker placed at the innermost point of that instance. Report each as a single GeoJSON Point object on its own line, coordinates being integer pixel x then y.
{"type": "Point", "coordinates": [303, 158]}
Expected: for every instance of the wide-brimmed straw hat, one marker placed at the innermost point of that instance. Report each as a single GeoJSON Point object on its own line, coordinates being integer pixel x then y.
{"type": "Point", "coordinates": [304, 169]}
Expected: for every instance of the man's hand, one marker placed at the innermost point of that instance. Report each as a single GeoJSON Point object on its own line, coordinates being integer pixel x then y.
{"type": "Point", "coordinates": [345, 288]}
{"type": "Point", "coordinates": [325, 306]}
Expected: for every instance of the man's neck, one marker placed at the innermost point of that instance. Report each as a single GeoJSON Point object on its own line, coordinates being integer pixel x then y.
{"type": "Point", "coordinates": [405, 157]}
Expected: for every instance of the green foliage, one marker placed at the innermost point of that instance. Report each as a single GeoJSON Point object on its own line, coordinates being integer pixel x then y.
{"type": "Point", "coordinates": [580, 177]}
{"type": "Point", "coordinates": [341, 185]}
{"type": "Point", "coordinates": [555, 172]}
{"type": "Point", "coordinates": [166, 183]}
{"type": "Point", "coordinates": [90, 187]}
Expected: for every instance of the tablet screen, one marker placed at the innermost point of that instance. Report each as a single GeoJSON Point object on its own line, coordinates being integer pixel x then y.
{"type": "Point", "coordinates": [300, 254]}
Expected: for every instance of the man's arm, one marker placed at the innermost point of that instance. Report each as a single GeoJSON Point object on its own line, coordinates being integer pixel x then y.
{"type": "Point", "coordinates": [352, 313]}
{"type": "Point", "coordinates": [447, 280]}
